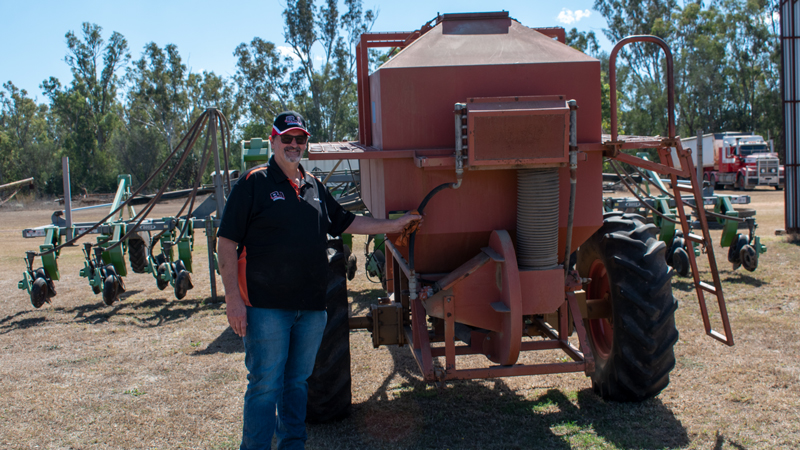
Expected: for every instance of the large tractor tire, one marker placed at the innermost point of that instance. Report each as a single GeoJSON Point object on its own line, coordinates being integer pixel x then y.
{"type": "Point", "coordinates": [137, 255]}
{"type": "Point", "coordinates": [633, 349]}
{"type": "Point", "coordinates": [329, 387]}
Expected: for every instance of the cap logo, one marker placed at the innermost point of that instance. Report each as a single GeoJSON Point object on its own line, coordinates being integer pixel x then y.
{"type": "Point", "coordinates": [277, 195]}
{"type": "Point", "coordinates": [292, 120]}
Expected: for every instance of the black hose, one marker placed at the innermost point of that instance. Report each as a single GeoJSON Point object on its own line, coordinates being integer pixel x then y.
{"type": "Point", "coordinates": [421, 210]}
{"type": "Point", "coordinates": [126, 202]}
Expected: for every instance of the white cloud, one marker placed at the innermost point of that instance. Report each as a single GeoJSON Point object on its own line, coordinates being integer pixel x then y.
{"type": "Point", "coordinates": [285, 50]}
{"type": "Point", "coordinates": [568, 16]}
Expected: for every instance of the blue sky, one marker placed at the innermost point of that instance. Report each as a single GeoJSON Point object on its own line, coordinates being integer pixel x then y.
{"type": "Point", "coordinates": [206, 33]}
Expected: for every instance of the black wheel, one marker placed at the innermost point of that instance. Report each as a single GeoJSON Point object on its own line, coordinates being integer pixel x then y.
{"type": "Point", "coordinates": [162, 269]}
{"type": "Point", "coordinates": [748, 257]}
{"type": "Point", "coordinates": [677, 243]}
{"type": "Point", "coordinates": [739, 183]}
{"type": "Point", "coordinates": [778, 188]}
{"type": "Point", "coordinates": [183, 283]}
{"type": "Point", "coordinates": [137, 255]}
{"type": "Point", "coordinates": [110, 293]}
{"type": "Point", "coordinates": [51, 286]}
{"type": "Point", "coordinates": [680, 261]}
{"type": "Point", "coordinates": [734, 251]}
{"type": "Point", "coordinates": [633, 348]}
{"type": "Point", "coordinates": [329, 394]}
{"type": "Point", "coordinates": [39, 292]}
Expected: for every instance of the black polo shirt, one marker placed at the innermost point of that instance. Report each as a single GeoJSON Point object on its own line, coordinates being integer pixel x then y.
{"type": "Point", "coordinates": [282, 231]}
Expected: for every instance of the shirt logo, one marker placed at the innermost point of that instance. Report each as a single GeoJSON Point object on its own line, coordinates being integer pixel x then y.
{"type": "Point", "coordinates": [277, 195]}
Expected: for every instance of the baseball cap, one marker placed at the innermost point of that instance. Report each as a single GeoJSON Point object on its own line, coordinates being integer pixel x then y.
{"type": "Point", "coordinates": [289, 120]}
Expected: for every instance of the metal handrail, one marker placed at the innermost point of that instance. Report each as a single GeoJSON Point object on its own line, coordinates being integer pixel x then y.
{"type": "Point", "coordinates": [612, 75]}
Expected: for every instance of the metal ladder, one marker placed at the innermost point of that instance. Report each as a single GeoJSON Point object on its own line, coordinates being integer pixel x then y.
{"type": "Point", "coordinates": [612, 149]}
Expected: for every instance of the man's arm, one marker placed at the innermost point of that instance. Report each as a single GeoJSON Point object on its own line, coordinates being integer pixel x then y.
{"type": "Point", "coordinates": [229, 269]}
{"type": "Point", "coordinates": [370, 225]}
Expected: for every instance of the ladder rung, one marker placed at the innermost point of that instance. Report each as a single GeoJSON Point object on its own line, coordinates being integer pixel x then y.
{"type": "Point", "coordinates": [707, 287]}
{"type": "Point", "coordinates": [684, 188]}
{"type": "Point", "coordinates": [695, 238]}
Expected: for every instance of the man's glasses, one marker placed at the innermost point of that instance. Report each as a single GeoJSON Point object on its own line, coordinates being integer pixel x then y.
{"type": "Point", "coordinates": [287, 139]}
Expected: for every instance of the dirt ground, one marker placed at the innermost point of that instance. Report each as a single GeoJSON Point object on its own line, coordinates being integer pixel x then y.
{"type": "Point", "coordinates": [153, 372]}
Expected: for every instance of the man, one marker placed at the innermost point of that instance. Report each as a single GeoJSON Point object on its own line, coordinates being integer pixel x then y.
{"type": "Point", "coordinates": [273, 261]}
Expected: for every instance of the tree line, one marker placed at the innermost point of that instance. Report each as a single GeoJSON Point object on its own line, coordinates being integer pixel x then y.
{"type": "Point", "coordinates": [726, 65]}
{"type": "Point", "coordinates": [125, 115]}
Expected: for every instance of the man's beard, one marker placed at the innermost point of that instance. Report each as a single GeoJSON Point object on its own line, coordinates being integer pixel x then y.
{"type": "Point", "coordinates": [291, 158]}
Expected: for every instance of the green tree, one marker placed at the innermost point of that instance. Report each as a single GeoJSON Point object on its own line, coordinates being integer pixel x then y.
{"type": "Point", "coordinates": [324, 93]}
{"type": "Point", "coordinates": [726, 65]}
{"type": "Point", "coordinates": [27, 147]}
{"type": "Point", "coordinates": [586, 42]}
{"type": "Point", "coordinates": [158, 95]}
{"type": "Point", "coordinates": [163, 100]}
{"type": "Point", "coordinates": [329, 104]}
{"type": "Point", "coordinates": [263, 82]}
{"type": "Point", "coordinates": [88, 107]}
{"type": "Point", "coordinates": [700, 82]}
{"type": "Point", "coordinates": [641, 80]}
{"type": "Point", "coordinates": [753, 67]}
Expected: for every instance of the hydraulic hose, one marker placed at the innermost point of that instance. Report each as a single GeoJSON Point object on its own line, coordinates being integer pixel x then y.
{"type": "Point", "coordinates": [421, 210]}
{"type": "Point", "coordinates": [460, 123]}
{"type": "Point", "coordinates": [134, 194]}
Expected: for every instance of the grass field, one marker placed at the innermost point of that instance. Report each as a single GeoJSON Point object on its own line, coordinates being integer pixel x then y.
{"type": "Point", "coordinates": [155, 372]}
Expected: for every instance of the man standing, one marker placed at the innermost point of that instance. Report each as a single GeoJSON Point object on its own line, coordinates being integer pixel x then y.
{"type": "Point", "coordinates": [273, 262]}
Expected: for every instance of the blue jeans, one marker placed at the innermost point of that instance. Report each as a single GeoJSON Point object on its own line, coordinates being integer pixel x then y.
{"type": "Point", "coordinates": [280, 348]}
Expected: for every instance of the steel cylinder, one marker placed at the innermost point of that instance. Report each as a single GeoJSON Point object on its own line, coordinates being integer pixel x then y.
{"type": "Point", "coordinates": [537, 218]}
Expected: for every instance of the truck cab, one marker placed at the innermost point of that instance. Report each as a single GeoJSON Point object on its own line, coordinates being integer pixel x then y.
{"type": "Point", "coordinates": [749, 161]}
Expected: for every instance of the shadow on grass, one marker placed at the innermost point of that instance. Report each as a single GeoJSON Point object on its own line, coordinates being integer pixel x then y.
{"type": "Point", "coordinates": [720, 440]}
{"type": "Point", "coordinates": [744, 278]}
{"type": "Point", "coordinates": [227, 342]}
{"type": "Point", "coordinates": [364, 297]}
{"type": "Point", "coordinates": [21, 323]}
{"type": "Point", "coordinates": [683, 284]}
{"type": "Point", "coordinates": [738, 277]}
{"type": "Point", "coordinates": [148, 313]}
{"type": "Point", "coordinates": [406, 412]}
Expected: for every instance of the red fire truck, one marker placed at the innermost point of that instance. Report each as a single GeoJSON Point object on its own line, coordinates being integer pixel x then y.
{"type": "Point", "coordinates": [741, 160]}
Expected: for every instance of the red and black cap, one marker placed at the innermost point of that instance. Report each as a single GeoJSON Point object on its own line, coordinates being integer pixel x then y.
{"type": "Point", "coordinates": [289, 120]}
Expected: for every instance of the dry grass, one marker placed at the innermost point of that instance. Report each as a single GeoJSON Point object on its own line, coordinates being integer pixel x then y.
{"type": "Point", "coordinates": [153, 372]}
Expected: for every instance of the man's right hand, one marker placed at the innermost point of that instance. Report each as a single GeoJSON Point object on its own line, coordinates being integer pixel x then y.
{"type": "Point", "coordinates": [237, 313]}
